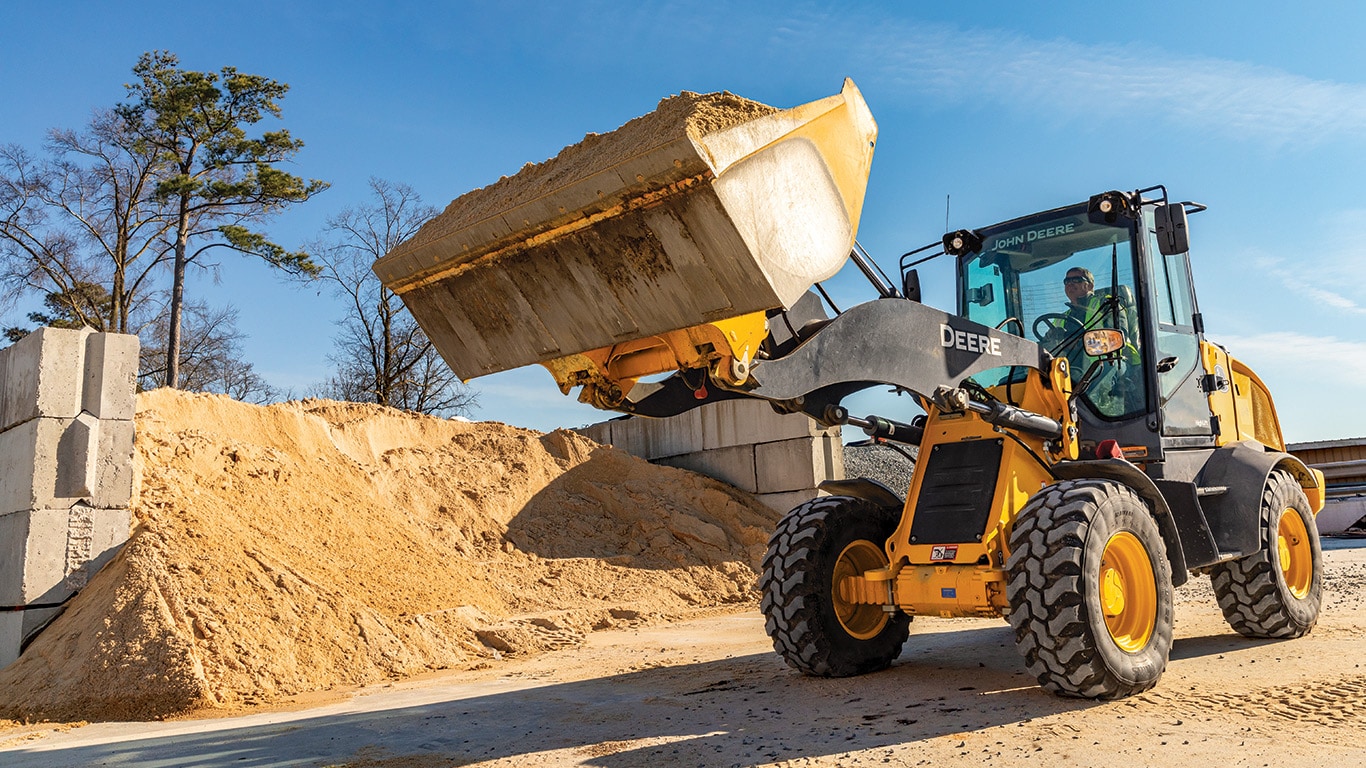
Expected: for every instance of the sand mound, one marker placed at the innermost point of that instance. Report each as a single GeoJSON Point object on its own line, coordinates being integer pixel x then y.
{"type": "Point", "coordinates": [309, 545]}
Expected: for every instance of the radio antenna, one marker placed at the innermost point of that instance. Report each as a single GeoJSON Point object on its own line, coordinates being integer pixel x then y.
{"type": "Point", "coordinates": [946, 213]}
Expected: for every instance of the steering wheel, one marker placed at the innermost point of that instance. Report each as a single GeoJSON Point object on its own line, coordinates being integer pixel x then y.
{"type": "Point", "coordinates": [1053, 327]}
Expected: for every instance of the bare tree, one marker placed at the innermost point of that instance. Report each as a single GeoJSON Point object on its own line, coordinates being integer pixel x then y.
{"type": "Point", "coordinates": [211, 355]}
{"type": "Point", "coordinates": [82, 220]}
{"type": "Point", "coordinates": [382, 356]}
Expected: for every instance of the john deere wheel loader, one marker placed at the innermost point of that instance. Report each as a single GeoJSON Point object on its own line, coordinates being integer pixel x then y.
{"type": "Point", "coordinates": [1083, 449]}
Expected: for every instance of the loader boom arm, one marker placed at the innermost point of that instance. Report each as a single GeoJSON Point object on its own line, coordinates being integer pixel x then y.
{"type": "Point", "coordinates": [890, 342]}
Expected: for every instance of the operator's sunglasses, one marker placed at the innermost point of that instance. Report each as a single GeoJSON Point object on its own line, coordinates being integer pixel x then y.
{"type": "Point", "coordinates": [1074, 280]}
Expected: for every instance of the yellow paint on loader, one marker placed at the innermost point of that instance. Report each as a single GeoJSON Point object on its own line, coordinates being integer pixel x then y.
{"type": "Point", "coordinates": [971, 582]}
{"type": "Point", "coordinates": [1245, 411]}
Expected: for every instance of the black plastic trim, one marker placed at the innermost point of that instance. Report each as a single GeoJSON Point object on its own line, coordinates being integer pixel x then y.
{"type": "Point", "coordinates": [864, 488]}
{"type": "Point", "coordinates": [1122, 471]}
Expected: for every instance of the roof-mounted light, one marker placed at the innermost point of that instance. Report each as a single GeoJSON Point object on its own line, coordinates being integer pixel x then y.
{"type": "Point", "coordinates": [1107, 207]}
{"type": "Point", "coordinates": [962, 242]}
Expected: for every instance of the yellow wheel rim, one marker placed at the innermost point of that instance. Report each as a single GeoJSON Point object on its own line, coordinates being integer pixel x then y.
{"type": "Point", "coordinates": [1296, 556]}
{"type": "Point", "coordinates": [1128, 592]}
{"type": "Point", "coordinates": [860, 620]}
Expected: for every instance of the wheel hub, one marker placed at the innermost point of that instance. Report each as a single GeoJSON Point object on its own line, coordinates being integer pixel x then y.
{"type": "Point", "coordinates": [1128, 592]}
{"type": "Point", "coordinates": [1112, 593]}
{"type": "Point", "coordinates": [1295, 553]}
{"type": "Point", "coordinates": [861, 620]}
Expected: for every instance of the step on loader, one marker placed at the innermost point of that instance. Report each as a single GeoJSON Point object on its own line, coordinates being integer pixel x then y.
{"type": "Point", "coordinates": [1083, 448]}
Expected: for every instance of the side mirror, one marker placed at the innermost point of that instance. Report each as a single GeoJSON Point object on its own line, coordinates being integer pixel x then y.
{"type": "Point", "coordinates": [1102, 342]}
{"type": "Point", "coordinates": [910, 285]}
{"type": "Point", "coordinates": [1172, 235]}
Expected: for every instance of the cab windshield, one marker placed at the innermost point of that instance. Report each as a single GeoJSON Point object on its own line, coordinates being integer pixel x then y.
{"type": "Point", "coordinates": [1052, 277]}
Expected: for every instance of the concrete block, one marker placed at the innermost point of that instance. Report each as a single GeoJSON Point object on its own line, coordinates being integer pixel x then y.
{"type": "Point", "coordinates": [93, 537]}
{"type": "Point", "coordinates": [54, 463]}
{"type": "Point", "coordinates": [787, 500]}
{"type": "Point", "coordinates": [598, 433]}
{"type": "Point", "coordinates": [745, 422]}
{"type": "Point", "coordinates": [78, 453]}
{"type": "Point", "coordinates": [28, 453]}
{"type": "Point", "coordinates": [656, 438]}
{"type": "Point", "coordinates": [734, 465]}
{"type": "Point", "coordinates": [111, 376]}
{"type": "Point", "coordinates": [11, 637]}
{"type": "Point", "coordinates": [832, 446]}
{"type": "Point", "coordinates": [802, 462]}
{"type": "Point", "coordinates": [114, 466]}
{"type": "Point", "coordinates": [41, 375]}
{"type": "Point", "coordinates": [46, 561]}
{"type": "Point", "coordinates": [112, 529]}
{"type": "Point", "coordinates": [47, 555]}
{"type": "Point", "coordinates": [14, 529]}
{"type": "Point", "coordinates": [627, 435]}
{"type": "Point", "coordinates": [34, 570]}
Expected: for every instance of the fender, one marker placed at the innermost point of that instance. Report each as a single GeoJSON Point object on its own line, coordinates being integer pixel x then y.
{"type": "Point", "coordinates": [1243, 469]}
{"type": "Point", "coordinates": [1129, 475]}
{"type": "Point", "coordinates": [863, 488]}
{"type": "Point", "coordinates": [1310, 479]}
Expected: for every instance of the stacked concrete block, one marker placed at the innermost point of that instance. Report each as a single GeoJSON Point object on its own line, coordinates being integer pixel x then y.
{"type": "Point", "coordinates": [66, 449]}
{"type": "Point", "coordinates": [780, 458]}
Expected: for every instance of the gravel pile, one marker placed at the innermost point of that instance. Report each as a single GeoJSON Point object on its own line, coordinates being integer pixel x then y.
{"type": "Point", "coordinates": [880, 463]}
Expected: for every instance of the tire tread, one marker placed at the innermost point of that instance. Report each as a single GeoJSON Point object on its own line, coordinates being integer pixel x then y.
{"type": "Point", "coordinates": [1048, 613]}
{"type": "Point", "coordinates": [792, 593]}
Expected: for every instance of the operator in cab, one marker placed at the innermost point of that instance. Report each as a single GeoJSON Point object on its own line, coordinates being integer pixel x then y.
{"type": "Point", "coordinates": [1087, 310]}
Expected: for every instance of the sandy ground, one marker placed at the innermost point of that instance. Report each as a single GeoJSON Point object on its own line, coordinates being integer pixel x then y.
{"type": "Point", "coordinates": [711, 692]}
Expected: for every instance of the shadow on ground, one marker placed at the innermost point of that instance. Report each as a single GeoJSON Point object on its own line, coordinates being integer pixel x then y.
{"type": "Point", "coordinates": [741, 710]}
{"type": "Point", "coordinates": [737, 711]}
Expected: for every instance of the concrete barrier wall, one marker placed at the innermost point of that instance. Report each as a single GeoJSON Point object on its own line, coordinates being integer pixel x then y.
{"type": "Point", "coordinates": [780, 458]}
{"type": "Point", "coordinates": [66, 468]}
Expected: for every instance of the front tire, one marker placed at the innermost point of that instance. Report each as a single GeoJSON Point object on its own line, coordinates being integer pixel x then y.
{"type": "Point", "coordinates": [1090, 590]}
{"type": "Point", "coordinates": [1277, 591]}
{"type": "Point", "coordinates": [815, 546]}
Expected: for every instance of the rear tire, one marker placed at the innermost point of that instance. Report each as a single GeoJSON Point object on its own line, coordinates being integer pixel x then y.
{"type": "Point", "coordinates": [815, 632]}
{"type": "Point", "coordinates": [1090, 590]}
{"type": "Point", "coordinates": [1276, 592]}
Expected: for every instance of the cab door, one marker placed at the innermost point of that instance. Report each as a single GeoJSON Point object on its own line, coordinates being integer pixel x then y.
{"type": "Point", "coordinates": [1183, 407]}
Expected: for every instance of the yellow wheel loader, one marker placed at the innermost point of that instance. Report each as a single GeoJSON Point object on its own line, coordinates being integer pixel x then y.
{"type": "Point", "coordinates": [1083, 448]}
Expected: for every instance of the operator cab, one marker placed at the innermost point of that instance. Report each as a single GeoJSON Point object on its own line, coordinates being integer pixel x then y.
{"type": "Point", "coordinates": [1052, 276]}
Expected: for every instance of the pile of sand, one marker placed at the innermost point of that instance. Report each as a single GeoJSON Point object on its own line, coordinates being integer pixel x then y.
{"type": "Point", "coordinates": [309, 545]}
{"type": "Point", "coordinates": [687, 114]}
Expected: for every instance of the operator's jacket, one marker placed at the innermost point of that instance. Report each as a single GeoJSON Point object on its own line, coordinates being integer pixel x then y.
{"type": "Point", "coordinates": [1115, 392]}
{"type": "Point", "coordinates": [1091, 312]}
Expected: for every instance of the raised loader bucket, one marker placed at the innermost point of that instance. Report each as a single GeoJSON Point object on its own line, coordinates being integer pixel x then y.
{"type": "Point", "coordinates": [709, 208]}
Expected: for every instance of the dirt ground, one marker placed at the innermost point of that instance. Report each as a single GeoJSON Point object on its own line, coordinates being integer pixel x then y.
{"type": "Point", "coordinates": [711, 692]}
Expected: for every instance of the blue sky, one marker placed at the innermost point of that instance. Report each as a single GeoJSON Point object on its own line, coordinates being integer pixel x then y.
{"type": "Point", "coordinates": [1254, 109]}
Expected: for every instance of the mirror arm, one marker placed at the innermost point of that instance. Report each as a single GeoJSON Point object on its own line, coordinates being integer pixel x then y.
{"type": "Point", "coordinates": [1090, 375]}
